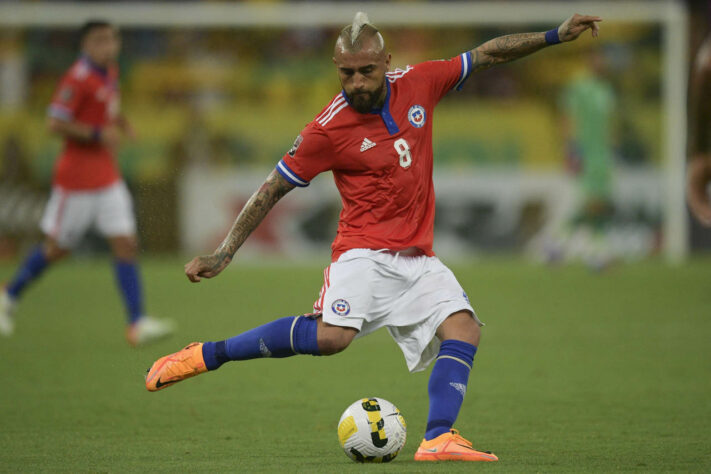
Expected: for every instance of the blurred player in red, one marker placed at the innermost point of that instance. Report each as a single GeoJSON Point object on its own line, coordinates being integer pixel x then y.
{"type": "Point", "coordinates": [88, 191]}
{"type": "Point", "coordinates": [699, 170]}
{"type": "Point", "coordinates": [376, 137]}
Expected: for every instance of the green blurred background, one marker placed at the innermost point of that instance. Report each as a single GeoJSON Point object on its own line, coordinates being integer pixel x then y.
{"type": "Point", "coordinates": [229, 102]}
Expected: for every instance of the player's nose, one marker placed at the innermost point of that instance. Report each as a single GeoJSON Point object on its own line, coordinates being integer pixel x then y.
{"type": "Point", "coordinates": [358, 82]}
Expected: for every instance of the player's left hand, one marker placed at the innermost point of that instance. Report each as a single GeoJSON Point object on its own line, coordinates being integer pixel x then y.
{"type": "Point", "coordinates": [698, 179]}
{"type": "Point", "coordinates": [206, 266]}
{"type": "Point", "coordinates": [129, 132]}
{"type": "Point", "coordinates": [111, 136]}
{"type": "Point", "coordinates": [574, 26]}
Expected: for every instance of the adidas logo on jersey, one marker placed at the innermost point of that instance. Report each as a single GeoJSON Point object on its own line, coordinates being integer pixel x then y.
{"type": "Point", "coordinates": [366, 145]}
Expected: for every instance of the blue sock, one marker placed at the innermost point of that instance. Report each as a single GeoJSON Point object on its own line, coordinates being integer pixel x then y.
{"type": "Point", "coordinates": [448, 385]}
{"type": "Point", "coordinates": [284, 337]}
{"type": "Point", "coordinates": [129, 282]}
{"type": "Point", "coordinates": [31, 268]}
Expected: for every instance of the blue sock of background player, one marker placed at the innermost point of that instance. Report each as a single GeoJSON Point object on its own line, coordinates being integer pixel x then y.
{"type": "Point", "coordinates": [129, 283]}
{"type": "Point", "coordinates": [284, 337]}
{"type": "Point", "coordinates": [33, 266]}
{"type": "Point", "coordinates": [127, 277]}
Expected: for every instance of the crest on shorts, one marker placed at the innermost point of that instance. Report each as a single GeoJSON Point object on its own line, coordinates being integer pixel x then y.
{"type": "Point", "coordinates": [416, 116]}
{"type": "Point", "coordinates": [296, 144]}
{"type": "Point", "coordinates": [341, 307]}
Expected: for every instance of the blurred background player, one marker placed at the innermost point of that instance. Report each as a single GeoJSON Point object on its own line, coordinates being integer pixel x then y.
{"type": "Point", "coordinates": [88, 190]}
{"type": "Point", "coordinates": [588, 110]}
{"type": "Point", "coordinates": [376, 137]}
{"type": "Point", "coordinates": [699, 170]}
{"type": "Point", "coordinates": [588, 104]}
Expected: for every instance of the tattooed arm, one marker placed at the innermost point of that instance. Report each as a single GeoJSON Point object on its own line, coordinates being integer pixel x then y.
{"type": "Point", "coordinates": [258, 206]}
{"type": "Point", "coordinates": [507, 48]}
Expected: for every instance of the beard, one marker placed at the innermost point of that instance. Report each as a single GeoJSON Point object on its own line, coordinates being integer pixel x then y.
{"type": "Point", "coordinates": [364, 101]}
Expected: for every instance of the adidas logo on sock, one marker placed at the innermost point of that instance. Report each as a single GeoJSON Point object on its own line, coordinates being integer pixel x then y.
{"type": "Point", "coordinates": [366, 145]}
{"type": "Point", "coordinates": [459, 387]}
{"type": "Point", "coordinates": [264, 349]}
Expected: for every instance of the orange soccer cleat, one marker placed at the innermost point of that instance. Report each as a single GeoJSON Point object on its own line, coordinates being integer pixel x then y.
{"type": "Point", "coordinates": [450, 447]}
{"type": "Point", "coordinates": [175, 367]}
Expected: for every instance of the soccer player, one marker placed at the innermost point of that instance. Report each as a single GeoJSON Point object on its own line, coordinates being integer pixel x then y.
{"type": "Point", "coordinates": [87, 188]}
{"type": "Point", "coordinates": [699, 170]}
{"type": "Point", "coordinates": [376, 137]}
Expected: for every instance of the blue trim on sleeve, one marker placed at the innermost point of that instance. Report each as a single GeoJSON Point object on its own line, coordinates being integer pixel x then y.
{"type": "Point", "coordinates": [290, 176]}
{"type": "Point", "coordinates": [466, 69]}
{"type": "Point", "coordinates": [461, 69]}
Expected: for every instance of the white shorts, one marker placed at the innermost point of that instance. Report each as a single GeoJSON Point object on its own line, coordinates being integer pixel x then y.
{"type": "Point", "coordinates": [411, 296]}
{"type": "Point", "coordinates": [70, 214]}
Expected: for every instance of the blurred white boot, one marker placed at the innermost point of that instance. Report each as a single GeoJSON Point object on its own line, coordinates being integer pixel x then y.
{"type": "Point", "coordinates": [7, 310]}
{"type": "Point", "coordinates": [148, 329]}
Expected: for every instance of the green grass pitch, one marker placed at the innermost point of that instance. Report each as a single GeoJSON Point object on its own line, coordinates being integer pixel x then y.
{"type": "Point", "coordinates": [577, 372]}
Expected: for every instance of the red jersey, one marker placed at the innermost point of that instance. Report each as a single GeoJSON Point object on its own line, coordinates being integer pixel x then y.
{"type": "Point", "coordinates": [89, 95]}
{"type": "Point", "coordinates": [381, 161]}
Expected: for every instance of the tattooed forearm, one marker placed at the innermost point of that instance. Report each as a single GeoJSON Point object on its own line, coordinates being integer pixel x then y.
{"type": "Point", "coordinates": [507, 48]}
{"type": "Point", "coordinates": [258, 206]}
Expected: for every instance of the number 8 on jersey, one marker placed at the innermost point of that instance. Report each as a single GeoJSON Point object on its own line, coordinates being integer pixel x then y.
{"type": "Point", "coordinates": [403, 150]}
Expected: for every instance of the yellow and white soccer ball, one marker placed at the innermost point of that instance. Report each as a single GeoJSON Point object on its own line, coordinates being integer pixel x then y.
{"type": "Point", "coordinates": [372, 430]}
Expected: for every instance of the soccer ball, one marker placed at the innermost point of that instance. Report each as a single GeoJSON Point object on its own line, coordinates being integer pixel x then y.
{"type": "Point", "coordinates": [372, 430]}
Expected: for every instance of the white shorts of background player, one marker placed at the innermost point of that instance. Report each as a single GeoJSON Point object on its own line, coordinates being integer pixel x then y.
{"type": "Point", "coordinates": [71, 213]}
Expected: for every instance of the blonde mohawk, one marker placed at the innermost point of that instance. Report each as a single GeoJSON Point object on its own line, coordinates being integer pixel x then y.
{"type": "Point", "coordinates": [360, 30]}
{"type": "Point", "coordinates": [359, 21]}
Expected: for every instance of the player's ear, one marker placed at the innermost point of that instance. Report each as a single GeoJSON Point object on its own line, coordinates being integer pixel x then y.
{"type": "Point", "coordinates": [388, 57]}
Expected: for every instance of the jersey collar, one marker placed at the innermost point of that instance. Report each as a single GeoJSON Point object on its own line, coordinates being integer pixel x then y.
{"type": "Point", "coordinates": [383, 111]}
{"type": "Point", "coordinates": [102, 71]}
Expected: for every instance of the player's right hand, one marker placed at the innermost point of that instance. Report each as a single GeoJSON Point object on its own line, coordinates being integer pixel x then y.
{"type": "Point", "coordinates": [699, 177]}
{"type": "Point", "coordinates": [206, 266]}
{"type": "Point", "coordinates": [576, 25]}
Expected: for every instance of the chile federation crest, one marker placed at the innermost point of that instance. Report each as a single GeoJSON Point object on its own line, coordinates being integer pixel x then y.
{"type": "Point", "coordinates": [341, 307]}
{"type": "Point", "coordinates": [416, 116]}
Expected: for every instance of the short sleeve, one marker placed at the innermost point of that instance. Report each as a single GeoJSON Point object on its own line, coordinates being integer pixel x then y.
{"type": "Point", "coordinates": [66, 100]}
{"type": "Point", "coordinates": [446, 75]}
{"type": "Point", "coordinates": [311, 154]}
